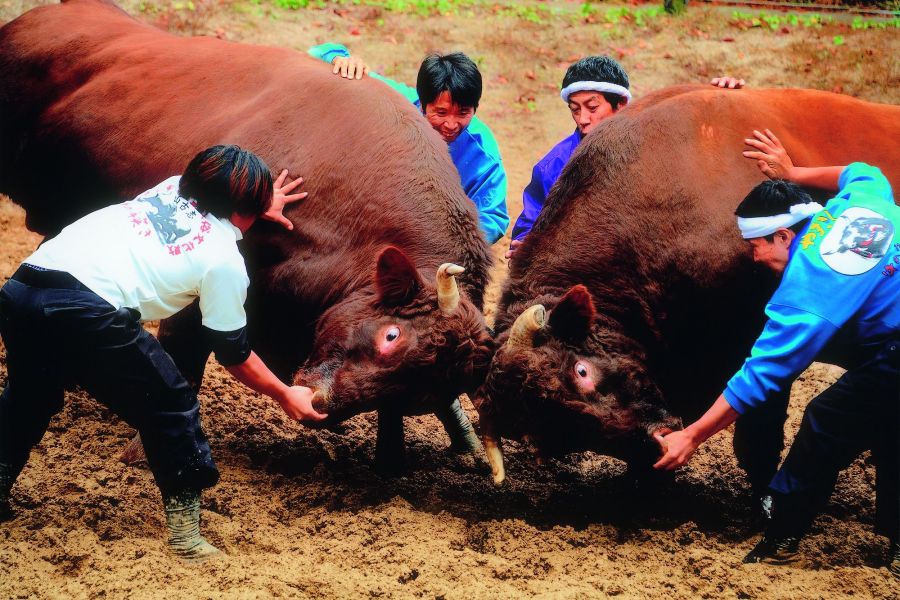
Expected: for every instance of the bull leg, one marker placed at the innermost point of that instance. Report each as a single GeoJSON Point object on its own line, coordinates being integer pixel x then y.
{"type": "Point", "coordinates": [390, 447]}
{"type": "Point", "coordinates": [181, 336]}
{"type": "Point", "coordinates": [462, 434]}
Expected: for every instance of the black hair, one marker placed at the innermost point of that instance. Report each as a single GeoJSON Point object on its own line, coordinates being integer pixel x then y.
{"type": "Point", "coordinates": [773, 197]}
{"type": "Point", "coordinates": [598, 68]}
{"type": "Point", "coordinates": [454, 73]}
{"type": "Point", "coordinates": [228, 179]}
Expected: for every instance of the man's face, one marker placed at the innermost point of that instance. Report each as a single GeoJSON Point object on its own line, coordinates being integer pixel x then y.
{"type": "Point", "coordinates": [774, 254]}
{"type": "Point", "coordinates": [448, 118]}
{"type": "Point", "coordinates": [589, 108]}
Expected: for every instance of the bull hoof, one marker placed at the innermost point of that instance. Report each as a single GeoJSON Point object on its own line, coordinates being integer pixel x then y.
{"type": "Point", "coordinates": [390, 461]}
{"type": "Point", "coordinates": [390, 469]}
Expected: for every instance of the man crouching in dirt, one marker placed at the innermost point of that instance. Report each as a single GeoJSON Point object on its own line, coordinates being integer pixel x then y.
{"type": "Point", "coordinates": [837, 299]}
{"type": "Point", "coordinates": [72, 314]}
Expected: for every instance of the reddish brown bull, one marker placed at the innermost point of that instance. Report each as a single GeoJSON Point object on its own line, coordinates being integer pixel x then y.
{"type": "Point", "coordinates": [634, 298]}
{"type": "Point", "coordinates": [96, 107]}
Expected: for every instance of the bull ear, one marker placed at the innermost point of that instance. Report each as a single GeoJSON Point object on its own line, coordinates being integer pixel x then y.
{"type": "Point", "coordinates": [572, 317]}
{"type": "Point", "coordinates": [396, 278]}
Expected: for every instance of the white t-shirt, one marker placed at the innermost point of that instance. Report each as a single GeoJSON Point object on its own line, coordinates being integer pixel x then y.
{"type": "Point", "coordinates": [155, 254]}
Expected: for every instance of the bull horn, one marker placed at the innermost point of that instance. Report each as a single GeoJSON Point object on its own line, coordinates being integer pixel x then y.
{"type": "Point", "coordinates": [447, 291]}
{"type": "Point", "coordinates": [495, 457]}
{"type": "Point", "coordinates": [490, 441]}
{"type": "Point", "coordinates": [527, 324]}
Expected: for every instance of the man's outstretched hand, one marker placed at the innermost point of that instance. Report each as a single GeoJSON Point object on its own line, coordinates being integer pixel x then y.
{"type": "Point", "coordinates": [283, 197]}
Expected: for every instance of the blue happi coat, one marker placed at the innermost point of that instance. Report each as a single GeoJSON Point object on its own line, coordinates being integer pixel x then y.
{"type": "Point", "coordinates": [543, 176]}
{"type": "Point", "coordinates": [838, 297]}
{"type": "Point", "coordinates": [475, 154]}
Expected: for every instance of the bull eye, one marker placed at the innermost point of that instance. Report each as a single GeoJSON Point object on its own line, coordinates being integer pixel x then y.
{"type": "Point", "coordinates": [584, 377]}
{"type": "Point", "coordinates": [386, 339]}
{"type": "Point", "coordinates": [581, 369]}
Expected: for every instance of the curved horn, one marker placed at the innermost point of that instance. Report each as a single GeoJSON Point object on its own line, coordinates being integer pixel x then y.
{"type": "Point", "coordinates": [527, 324]}
{"type": "Point", "coordinates": [495, 458]}
{"type": "Point", "coordinates": [492, 447]}
{"type": "Point", "coordinates": [447, 291]}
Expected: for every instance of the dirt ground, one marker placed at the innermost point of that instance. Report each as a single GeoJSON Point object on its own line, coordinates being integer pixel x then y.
{"type": "Point", "coordinates": [301, 513]}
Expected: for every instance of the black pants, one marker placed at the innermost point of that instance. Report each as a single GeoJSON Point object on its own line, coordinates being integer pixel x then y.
{"type": "Point", "coordinates": [57, 332]}
{"type": "Point", "coordinates": [759, 440]}
{"type": "Point", "coordinates": [861, 411]}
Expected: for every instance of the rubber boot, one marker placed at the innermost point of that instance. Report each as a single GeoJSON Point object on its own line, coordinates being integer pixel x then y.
{"type": "Point", "coordinates": [183, 520]}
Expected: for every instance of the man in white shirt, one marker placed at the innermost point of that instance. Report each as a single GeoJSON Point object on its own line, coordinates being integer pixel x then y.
{"type": "Point", "coordinates": [72, 313]}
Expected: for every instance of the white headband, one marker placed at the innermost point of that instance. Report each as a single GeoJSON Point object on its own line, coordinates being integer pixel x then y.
{"type": "Point", "coordinates": [594, 86]}
{"type": "Point", "coordinates": [757, 227]}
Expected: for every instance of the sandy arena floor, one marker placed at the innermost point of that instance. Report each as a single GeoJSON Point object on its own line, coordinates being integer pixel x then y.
{"type": "Point", "coordinates": [300, 513]}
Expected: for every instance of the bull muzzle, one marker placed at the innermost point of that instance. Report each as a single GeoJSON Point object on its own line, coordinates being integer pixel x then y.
{"type": "Point", "coordinates": [447, 290]}
{"type": "Point", "coordinates": [320, 399]}
{"type": "Point", "coordinates": [527, 325]}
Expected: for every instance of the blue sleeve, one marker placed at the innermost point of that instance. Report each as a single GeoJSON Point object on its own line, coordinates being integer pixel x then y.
{"type": "Point", "coordinates": [406, 91]}
{"type": "Point", "coordinates": [533, 198]}
{"type": "Point", "coordinates": [328, 52]}
{"type": "Point", "coordinates": [790, 341]}
{"type": "Point", "coordinates": [488, 192]}
{"type": "Point", "coordinates": [862, 178]}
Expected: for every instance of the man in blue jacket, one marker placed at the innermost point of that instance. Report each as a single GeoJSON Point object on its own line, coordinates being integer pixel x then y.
{"type": "Point", "coordinates": [448, 89]}
{"type": "Point", "coordinates": [837, 301]}
{"type": "Point", "coordinates": [594, 88]}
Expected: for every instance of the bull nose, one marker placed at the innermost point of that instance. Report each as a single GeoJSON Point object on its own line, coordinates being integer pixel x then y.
{"type": "Point", "coordinates": [320, 401]}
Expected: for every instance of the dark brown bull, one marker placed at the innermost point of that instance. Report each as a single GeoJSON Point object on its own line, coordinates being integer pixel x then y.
{"type": "Point", "coordinates": [634, 298]}
{"type": "Point", "coordinates": [96, 107]}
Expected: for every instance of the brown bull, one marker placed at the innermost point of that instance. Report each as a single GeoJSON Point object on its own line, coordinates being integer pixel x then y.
{"type": "Point", "coordinates": [96, 107]}
{"type": "Point", "coordinates": [634, 298]}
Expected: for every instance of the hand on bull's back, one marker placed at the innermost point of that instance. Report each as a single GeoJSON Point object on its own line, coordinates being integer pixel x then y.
{"type": "Point", "coordinates": [770, 155]}
{"type": "Point", "coordinates": [726, 82]}
{"type": "Point", "coordinates": [350, 67]}
{"type": "Point", "coordinates": [281, 197]}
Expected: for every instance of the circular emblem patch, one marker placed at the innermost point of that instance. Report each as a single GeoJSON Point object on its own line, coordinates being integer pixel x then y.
{"type": "Point", "coordinates": [857, 242]}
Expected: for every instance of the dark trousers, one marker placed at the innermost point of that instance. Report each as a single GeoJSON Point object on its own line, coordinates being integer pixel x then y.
{"type": "Point", "coordinates": [57, 333]}
{"type": "Point", "coordinates": [759, 440]}
{"type": "Point", "coordinates": [861, 411]}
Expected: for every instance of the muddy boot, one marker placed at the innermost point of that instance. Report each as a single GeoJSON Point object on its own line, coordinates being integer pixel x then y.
{"type": "Point", "coordinates": [893, 564]}
{"type": "Point", "coordinates": [8, 475]}
{"type": "Point", "coordinates": [183, 519]}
